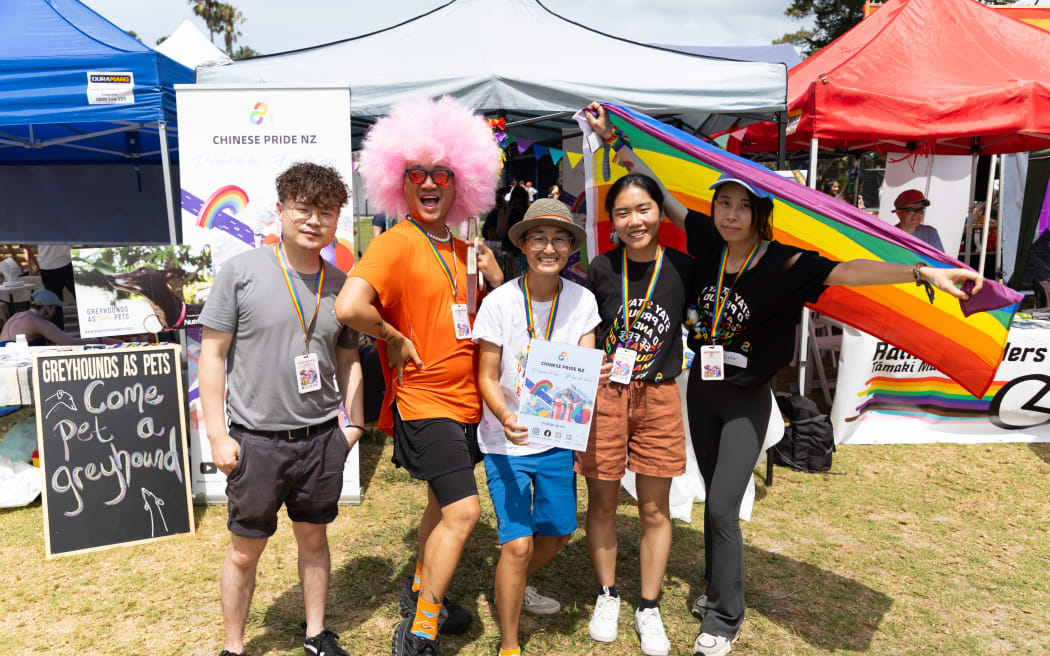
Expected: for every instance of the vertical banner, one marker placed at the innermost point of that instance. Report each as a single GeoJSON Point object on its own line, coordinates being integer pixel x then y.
{"type": "Point", "coordinates": [233, 142]}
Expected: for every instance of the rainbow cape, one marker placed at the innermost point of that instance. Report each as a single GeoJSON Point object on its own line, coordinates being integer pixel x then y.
{"type": "Point", "coordinates": [962, 339]}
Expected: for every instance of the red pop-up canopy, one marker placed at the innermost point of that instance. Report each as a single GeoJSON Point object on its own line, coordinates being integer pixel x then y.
{"type": "Point", "coordinates": [950, 77]}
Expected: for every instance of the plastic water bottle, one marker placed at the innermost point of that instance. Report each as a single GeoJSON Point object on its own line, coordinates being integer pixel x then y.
{"type": "Point", "coordinates": [23, 346]}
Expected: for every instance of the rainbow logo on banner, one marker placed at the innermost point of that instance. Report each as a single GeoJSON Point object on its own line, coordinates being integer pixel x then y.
{"type": "Point", "coordinates": [964, 340]}
{"type": "Point", "coordinates": [230, 198]}
{"type": "Point", "coordinates": [258, 113]}
{"type": "Point", "coordinates": [931, 398]}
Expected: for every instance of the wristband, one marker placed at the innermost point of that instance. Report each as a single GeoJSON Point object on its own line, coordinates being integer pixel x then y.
{"type": "Point", "coordinates": [915, 273]}
{"type": "Point", "coordinates": [360, 428]}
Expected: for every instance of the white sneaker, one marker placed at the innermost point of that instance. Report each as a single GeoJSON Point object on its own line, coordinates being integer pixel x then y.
{"type": "Point", "coordinates": [700, 607]}
{"type": "Point", "coordinates": [536, 604]}
{"type": "Point", "coordinates": [605, 619]}
{"type": "Point", "coordinates": [707, 644]}
{"type": "Point", "coordinates": [651, 632]}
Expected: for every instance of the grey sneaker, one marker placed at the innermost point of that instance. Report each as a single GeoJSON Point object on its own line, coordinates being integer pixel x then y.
{"type": "Point", "coordinates": [699, 608]}
{"type": "Point", "coordinates": [651, 634]}
{"type": "Point", "coordinates": [452, 620]}
{"type": "Point", "coordinates": [536, 604]}
{"type": "Point", "coordinates": [605, 618]}
{"type": "Point", "coordinates": [707, 644]}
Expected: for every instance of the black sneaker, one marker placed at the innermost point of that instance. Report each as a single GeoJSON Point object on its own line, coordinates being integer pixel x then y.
{"type": "Point", "coordinates": [453, 618]}
{"type": "Point", "coordinates": [226, 652]}
{"type": "Point", "coordinates": [324, 643]}
{"type": "Point", "coordinates": [406, 643]}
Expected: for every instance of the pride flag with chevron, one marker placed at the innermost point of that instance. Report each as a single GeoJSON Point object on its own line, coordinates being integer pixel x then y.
{"type": "Point", "coordinates": [962, 339]}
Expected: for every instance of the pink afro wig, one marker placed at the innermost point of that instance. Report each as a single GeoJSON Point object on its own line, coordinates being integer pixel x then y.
{"type": "Point", "coordinates": [428, 132]}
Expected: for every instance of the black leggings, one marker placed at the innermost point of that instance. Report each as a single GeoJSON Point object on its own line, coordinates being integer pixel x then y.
{"type": "Point", "coordinates": [728, 426]}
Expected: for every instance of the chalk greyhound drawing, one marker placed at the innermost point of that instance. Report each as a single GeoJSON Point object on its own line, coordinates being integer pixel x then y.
{"type": "Point", "coordinates": [158, 503]}
{"type": "Point", "coordinates": [65, 399]}
{"type": "Point", "coordinates": [154, 286]}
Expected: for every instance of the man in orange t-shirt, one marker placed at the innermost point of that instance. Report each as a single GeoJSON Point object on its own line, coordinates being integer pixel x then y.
{"type": "Point", "coordinates": [410, 292]}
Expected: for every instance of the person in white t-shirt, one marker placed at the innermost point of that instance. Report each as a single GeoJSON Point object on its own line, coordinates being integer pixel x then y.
{"type": "Point", "coordinates": [56, 272]}
{"type": "Point", "coordinates": [532, 486]}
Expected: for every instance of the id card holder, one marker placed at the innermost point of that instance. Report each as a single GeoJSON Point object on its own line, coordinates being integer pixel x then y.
{"type": "Point", "coordinates": [712, 362]}
{"type": "Point", "coordinates": [460, 320]}
{"type": "Point", "coordinates": [307, 373]}
{"type": "Point", "coordinates": [623, 365]}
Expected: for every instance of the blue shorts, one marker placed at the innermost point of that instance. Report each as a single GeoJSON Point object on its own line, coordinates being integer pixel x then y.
{"type": "Point", "coordinates": [533, 494]}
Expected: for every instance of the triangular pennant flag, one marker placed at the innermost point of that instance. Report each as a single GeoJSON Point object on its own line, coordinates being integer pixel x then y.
{"type": "Point", "coordinates": [539, 151]}
{"type": "Point", "coordinates": [556, 155]}
{"type": "Point", "coordinates": [574, 158]}
{"type": "Point", "coordinates": [511, 138]}
{"type": "Point", "coordinates": [523, 145]}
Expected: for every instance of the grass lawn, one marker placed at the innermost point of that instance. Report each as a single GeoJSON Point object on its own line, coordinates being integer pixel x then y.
{"type": "Point", "coordinates": [931, 549]}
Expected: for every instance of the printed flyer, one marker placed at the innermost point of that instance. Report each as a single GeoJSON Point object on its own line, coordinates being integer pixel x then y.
{"type": "Point", "coordinates": [560, 384]}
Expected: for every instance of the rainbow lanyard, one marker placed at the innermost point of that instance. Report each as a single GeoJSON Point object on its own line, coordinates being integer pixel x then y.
{"type": "Point", "coordinates": [452, 273]}
{"type": "Point", "coordinates": [295, 295]}
{"type": "Point", "coordinates": [628, 321]}
{"type": "Point", "coordinates": [529, 320]}
{"type": "Point", "coordinates": [720, 301]}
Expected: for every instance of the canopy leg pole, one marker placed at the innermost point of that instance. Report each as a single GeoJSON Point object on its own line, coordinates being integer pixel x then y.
{"type": "Point", "coordinates": [999, 226]}
{"type": "Point", "coordinates": [967, 250]}
{"type": "Point", "coordinates": [165, 161]}
{"type": "Point", "coordinates": [781, 140]}
{"type": "Point", "coordinates": [987, 214]}
{"type": "Point", "coordinates": [803, 344]}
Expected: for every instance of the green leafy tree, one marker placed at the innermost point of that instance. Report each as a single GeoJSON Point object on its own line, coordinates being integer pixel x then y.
{"type": "Point", "coordinates": [244, 52]}
{"type": "Point", "coordinates": [831, 19]}
{"type": "Point", "coordinates": [221, 18]}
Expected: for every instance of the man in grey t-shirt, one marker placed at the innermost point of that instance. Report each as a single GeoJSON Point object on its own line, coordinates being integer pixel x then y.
{"type": "Point", "coordinates": [271, 337]}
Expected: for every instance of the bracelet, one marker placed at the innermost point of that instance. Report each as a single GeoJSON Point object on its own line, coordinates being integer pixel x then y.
{"type": "Point", "coordinates": [915, 273]}
{"type": "Point", "coordinates": [358, 427]}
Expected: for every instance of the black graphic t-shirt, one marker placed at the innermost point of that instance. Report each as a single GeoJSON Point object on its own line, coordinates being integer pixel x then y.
{"type": "Point", "coordinates": [757, 329]}
{"type": "Point", "coordinates": [657, 332]}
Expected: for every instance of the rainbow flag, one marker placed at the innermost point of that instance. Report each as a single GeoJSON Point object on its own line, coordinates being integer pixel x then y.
{"type": "Point", "coordinates": [962, 339]}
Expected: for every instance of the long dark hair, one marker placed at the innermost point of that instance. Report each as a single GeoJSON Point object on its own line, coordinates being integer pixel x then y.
{"type": "Point", "coordinates": [647, 184]}
{"type": "Point", "coordinates": [761, 212]}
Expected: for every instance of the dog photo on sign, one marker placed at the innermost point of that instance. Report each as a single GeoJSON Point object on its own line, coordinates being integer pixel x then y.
{"type": "Point", "coordinates": [133, 290]}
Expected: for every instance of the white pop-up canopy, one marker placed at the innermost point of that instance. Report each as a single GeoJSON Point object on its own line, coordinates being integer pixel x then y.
{"type": "Point", "coordinates": [518, 55]}
{"type": "Point", "coordinates": [189, 47]}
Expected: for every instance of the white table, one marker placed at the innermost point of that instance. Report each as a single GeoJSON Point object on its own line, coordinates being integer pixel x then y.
{"type": "Point", "coordinates": [19, 291]}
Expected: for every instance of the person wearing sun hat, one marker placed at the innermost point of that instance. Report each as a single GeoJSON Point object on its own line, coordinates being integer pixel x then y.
{"type": "Point", "coordinates": [35, 323]}
{"type": "Point", "coordinates": [532, 486]}
{"type": "Point", "coordinates": [910, 208]}
{"type": "Point", "coordinates": [435, 163]}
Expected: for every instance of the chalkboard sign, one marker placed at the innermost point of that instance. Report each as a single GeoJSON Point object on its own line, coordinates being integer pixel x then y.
{"type": "Point", "coordinates": [112, 437]}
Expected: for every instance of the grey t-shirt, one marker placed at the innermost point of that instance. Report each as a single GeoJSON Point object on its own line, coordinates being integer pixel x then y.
{"type": "Point", "coordinates": [250, 299]}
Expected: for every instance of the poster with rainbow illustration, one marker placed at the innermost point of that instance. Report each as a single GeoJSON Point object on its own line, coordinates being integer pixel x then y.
{"type": "Point", "coordinates": [885, 395]}
{"type": "Point", "coordinates": [558, 401]}
{"type": "Point", "coordinates": [233, 142]}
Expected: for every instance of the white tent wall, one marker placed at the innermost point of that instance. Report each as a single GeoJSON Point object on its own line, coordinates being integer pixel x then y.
{"type": "Point", "coordinates": [1011, 200]}
{"type": "Point", "coordinates": [944, 179]}
{"type": "Point", "coordinates": [462, 49]}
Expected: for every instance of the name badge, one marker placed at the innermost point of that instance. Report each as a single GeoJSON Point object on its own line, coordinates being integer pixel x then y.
{"type": "Point", "coordinates": [712, 365]}
{"type": "Point", "coordinates": [736, 359]}
{"type": "Point", "coordinates": [623, 365]}
{"type": "Point", "coordinates": [461, 320]}
{"type": "Point", "coordinates": [307, 373]}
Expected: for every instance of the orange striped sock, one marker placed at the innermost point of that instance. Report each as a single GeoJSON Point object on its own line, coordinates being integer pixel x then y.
{"type": "Point", "coordinates": [418, 577]}
{"type": "Point", "coordinates": [426, 623]}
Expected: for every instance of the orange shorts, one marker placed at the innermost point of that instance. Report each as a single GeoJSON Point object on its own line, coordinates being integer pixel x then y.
{"type": "Point", "coordinates": [638, 427]}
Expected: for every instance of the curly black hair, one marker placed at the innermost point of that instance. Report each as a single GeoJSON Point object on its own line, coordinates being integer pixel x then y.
{"type": "Point", "coordinates": [314, 184]}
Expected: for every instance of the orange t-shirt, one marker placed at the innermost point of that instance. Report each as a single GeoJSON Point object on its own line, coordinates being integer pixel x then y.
{"type": "Point", "coordinates": [415, 297]}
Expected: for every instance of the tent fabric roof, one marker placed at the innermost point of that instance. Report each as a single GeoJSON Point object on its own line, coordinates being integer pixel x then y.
{"type": "Point", "coordinates": [938, 76]}
{"type": "Point", "coordinates": [47, 49]}
{"type": "Point", "coordinates": [190, 48]}
{"type": "Point", "coordinates": [463, 49]}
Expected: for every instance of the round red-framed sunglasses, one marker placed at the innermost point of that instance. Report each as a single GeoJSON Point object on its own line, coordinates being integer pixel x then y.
{"type": "Point", "coordinates": [418, 175]}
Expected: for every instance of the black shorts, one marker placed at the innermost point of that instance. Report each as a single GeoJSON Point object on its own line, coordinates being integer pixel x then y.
{"type": "Point", "coordinates": [306, 475]}
{"type": "Point", "coordinates": [441, 452]}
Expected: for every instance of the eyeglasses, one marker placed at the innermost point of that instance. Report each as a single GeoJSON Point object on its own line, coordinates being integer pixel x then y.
{"type": "Point", "coordinates": [440, 176]}
{"type": "Point", "coordinates": [911, 210]}
{"type": "Point", "coordinates": [301, 213]}
{"type": "Point", "coordinates": [539, 243]}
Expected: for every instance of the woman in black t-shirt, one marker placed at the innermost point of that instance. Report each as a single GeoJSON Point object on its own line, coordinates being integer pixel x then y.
{"type": "Point", "coordinates": [747, 294]}
{"type": "Point", "coordinates": [641, 288]}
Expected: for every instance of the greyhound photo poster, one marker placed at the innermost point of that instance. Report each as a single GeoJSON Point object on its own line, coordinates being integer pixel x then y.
{"type": "Point", "coordinates": [111, 430]}
{"type": "Point", "coordinates": [133, 290]}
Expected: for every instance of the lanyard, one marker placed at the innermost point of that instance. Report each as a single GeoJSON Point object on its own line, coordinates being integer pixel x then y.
{"type": "Point", "coordinates": [720, 301]}
{"type": "Point", "coordinates": [529, 320]}
{"type": "Point", "coordinates": [628, 321]}
{"type": "Point", "coordinates": [295, 295]}
{"type": "Point", "coordinates": [452, 273]}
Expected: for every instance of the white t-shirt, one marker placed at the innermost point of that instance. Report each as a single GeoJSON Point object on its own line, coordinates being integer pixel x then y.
{"type": "Point", "coordinates": [52, 256]}
{"type": "Point", "coordinates": [501, 321]}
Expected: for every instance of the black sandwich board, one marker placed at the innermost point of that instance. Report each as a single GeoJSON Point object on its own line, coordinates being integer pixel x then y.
{"type": "Point", "coordinates": [111, 430]}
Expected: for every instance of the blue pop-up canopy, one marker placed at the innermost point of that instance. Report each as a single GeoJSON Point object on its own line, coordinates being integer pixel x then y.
{"type": "Point", "coordinates": [79, 92]}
